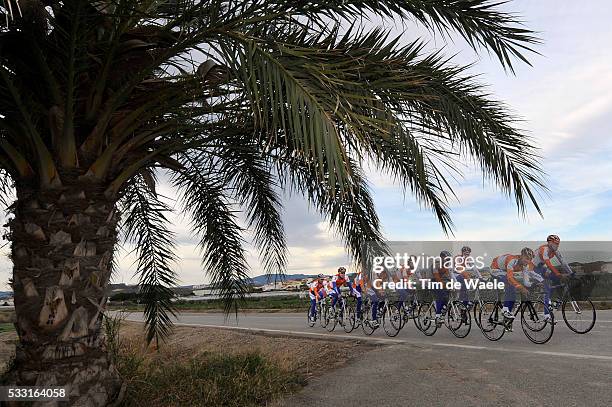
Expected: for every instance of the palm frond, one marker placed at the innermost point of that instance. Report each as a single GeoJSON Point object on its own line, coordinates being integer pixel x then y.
{"type": "Point", "coordinates": [353, 215]}
{"type": "Point", "coordinates": [255, 189]}
{"type": "Point", "coordinates": [145, 225]}
{"type": "Point", "coordinates": [214, 222]}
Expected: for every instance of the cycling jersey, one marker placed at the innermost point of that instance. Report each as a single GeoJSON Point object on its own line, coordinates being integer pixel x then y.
{"type": "Point", "coordinates": [405, 273]}
{"type": "Point", "coordinates": [543, 257]}
{"type": "Point", "coordinates": [317, 290]}
{"type": "Point", "coordinates": [338, 281]}
{"type": "Point", "coordinates": [509, 264]}
{"type": "Point", "coordinates": [316, 287]}
{"type": "Point", "coordinates": [441, 274]}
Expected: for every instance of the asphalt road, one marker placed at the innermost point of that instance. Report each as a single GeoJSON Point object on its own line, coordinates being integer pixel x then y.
{"type": "Point", "coordinates": [412, 369]}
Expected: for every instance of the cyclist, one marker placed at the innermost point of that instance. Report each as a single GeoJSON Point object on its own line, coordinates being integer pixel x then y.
{"type": "Point", "coordinates": [505, 266]}
{"type": "Point", "coordinates": [442, 274]}
{"type": "Point", "coordinates": [376, 295]}
{"type": "Point", "coordinates": [316, 291]}
{"type": "Point", "coordinates": [404, 274]}
{"type": "Point", "coordinates": [337, 282]}
{"type": "Point", "coordinates": [545, 268]}
{"type": "Point", "coordinates": [463, 267]}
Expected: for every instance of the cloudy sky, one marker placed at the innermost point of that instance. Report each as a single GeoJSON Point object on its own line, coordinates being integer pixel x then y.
{"type": "Point", "coordinates": [566, 102]}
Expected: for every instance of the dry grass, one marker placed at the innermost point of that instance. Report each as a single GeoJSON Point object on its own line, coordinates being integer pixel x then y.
{"type": "Point", "coordinates": [7, 316]}
{"type": "Point", "coordinates": [215, 367]}
{"type": "Point", "coordinates": [288, 352]}
{"type": "Point", "coordinates": [203, 366]}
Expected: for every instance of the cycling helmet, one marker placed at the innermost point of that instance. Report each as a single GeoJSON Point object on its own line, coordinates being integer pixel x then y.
{"type": "Point", "coordinates": [444, 254]}
{"type": "Point", "coordinates": [527, 252]}
{"type": "Point", "coordinates": [320, 276]}
{"type": "Point", "coordinates": [466, 250]}
{"type": "Point", "coordinates": [341, 270]}
{"type": "Point", "coordinates": [553, 238]}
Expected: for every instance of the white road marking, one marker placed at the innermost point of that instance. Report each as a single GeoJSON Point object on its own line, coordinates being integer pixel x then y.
{"type": "Point", "coordinates": [394, 341]}
{"type": "Point", "coordinates": [285, 332]}
{"type": "Point", "coordinates": [457, 345]}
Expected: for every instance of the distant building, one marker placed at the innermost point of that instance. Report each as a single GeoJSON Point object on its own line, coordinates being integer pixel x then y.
{"type": "Point", "coordinates": [293, 284]}
{"type": "Point", "coordinates": [7, 302]}
{"type": "Point", "coordinates": [277, 285]}
{"type": "Point", "coordinates": [201, 292]}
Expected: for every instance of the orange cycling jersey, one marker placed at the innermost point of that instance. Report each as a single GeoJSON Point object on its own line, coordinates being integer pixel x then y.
{"type": "Point", "coordinates": [339, 280]}
{"type": "Point", "coordinates": [315, 286]}
{"type": "Point", "coordinates": [508, 263]}
{"type": "Point", "coordinates": [441, 274]}
{"type": "Point", "coordinates": [543, 256]}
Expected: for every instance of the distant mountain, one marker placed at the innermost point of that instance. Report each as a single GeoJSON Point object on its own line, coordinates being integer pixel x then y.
{"type": "Point", "coordinates": [263, 279]}
{"type": "Point", "coordinates": [183, 290]}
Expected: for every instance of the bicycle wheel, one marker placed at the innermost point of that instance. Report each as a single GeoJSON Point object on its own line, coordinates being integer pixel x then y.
{"type": "Point", "coordinates": [403, 315]}
{"type": "Point", "coordinates": [348, 319]}
{"type": "Point", "coordinates": [491, 320]}
{"type": "Point", "coordinates": [537, 328]}
{"type": "Point", "coordinates": [458, 319]}
{"type": "Point", "coordinates": [392, 320]}
{"type": "Point", "coordinates": [323, 316]}
{"type": "Point", "coordinates": [331, 321]}
{"type": "Point", "coordinates": [366, 323]}
{"type": "Point", "coordinates": [415, 316]}
{"type": "Point", "coordinates": [579, 316]}
{"type": "Point", "coordinates": [311, 321]}
{"type": "Point", "coordinates": [476, 311]}
{"type": "Point", "coordinates": [427, 318]}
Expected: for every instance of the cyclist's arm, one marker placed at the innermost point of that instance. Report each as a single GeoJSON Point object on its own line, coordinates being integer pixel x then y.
{"type": "Point", "coordinates": [552, 267]}
{"type": "Point", "coordinates": [350, 286]}
{"type": "Point", "coordinates": [511, 279]}
{"type": "Point", "coordinates": [544, 253]}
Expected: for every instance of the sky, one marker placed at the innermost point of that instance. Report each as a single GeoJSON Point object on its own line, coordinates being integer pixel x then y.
{"type": "Point", "coordinates": [565, 100]}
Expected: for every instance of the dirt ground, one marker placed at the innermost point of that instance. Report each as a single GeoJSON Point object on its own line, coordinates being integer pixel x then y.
{"type": "Point", "coordinates": [309, 357]}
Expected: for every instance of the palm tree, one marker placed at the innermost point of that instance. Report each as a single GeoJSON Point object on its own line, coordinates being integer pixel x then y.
{"type": "Point", "coordinates": [231, 102]}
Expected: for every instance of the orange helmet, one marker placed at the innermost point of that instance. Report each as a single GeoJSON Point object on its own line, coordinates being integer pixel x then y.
{"type": "Point", "coordinates": [553, 238]}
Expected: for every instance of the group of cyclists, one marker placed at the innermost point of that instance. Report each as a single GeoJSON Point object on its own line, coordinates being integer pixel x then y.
{"type": "Point", "coordinates": [517, 271]}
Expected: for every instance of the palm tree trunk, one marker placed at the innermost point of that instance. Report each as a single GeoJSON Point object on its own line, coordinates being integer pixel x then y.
{"type": "Point", "coordinates": [62, 249]}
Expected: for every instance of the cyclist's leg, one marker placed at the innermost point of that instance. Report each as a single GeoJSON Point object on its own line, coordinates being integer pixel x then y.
{"type": "Point", "coordinates": [334, 294]}
{"type": "Point", "coordinates": [441, 299]}
{"type": "Point", "coordinates": [403, 295]}
{"type": "Point", "coordinates": [374, 300]}
{"type": "Point", "coordinates": [463, 295]}
{"type": "Point", "coordinates": [358, 295]}
{"type": "Point", "coordinates": [548, 290]}
{"type": "Point", "coordinates": [509, 295]}
{"type": "Point", "coordinates": [313, 305]}
{"type": "Point", "coordinates": [546, 274]}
